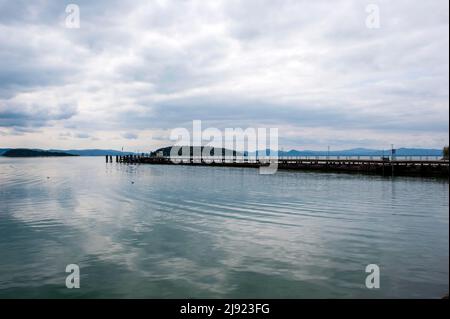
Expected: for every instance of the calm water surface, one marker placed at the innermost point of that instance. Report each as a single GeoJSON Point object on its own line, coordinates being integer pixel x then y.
{"type": "Point", "coordinates": [177, 232]}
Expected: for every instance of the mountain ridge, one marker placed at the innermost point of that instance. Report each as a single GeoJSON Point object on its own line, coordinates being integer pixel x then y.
{"type": "Point", "coordinates": [348, 152]}
{"type": "Point", "coordinates": [24, 152]}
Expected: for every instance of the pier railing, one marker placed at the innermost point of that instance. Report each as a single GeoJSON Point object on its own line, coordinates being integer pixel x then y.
{"type": "Point", "coordinates": [421, 160]}
{"type": "Point", "coordinates": [399, 165]}
{"type": "Point", "coordinates": [257, 159]}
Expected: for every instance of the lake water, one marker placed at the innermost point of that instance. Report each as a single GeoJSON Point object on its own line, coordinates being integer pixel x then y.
{"type": "Point", "coordinates": [177, 231]}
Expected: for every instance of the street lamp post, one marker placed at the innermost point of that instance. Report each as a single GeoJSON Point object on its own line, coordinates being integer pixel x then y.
{"type": "Point", "coordinates": [328, 155]}
{"type": "Point", "coordinates": [392, 159]}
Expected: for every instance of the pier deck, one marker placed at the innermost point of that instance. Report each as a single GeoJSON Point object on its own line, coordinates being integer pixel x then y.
{"type": "Point", "coordinates": [406, 166]}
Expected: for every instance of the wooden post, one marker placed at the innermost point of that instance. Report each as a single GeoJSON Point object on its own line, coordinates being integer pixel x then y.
{"type": "Point", "coordinates": [106, 158]}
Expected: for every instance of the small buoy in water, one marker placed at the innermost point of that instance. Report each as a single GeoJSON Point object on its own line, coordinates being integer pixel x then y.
{"type": "Point", "coordinates": [132, 182]}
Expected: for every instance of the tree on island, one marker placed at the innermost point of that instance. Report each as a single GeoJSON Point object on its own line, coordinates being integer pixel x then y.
{"type": "Point", "coordinates": [23, 152]}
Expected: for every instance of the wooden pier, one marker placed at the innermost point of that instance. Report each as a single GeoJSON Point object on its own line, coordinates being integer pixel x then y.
{"type": "Point", "coordinates": [358, 164]}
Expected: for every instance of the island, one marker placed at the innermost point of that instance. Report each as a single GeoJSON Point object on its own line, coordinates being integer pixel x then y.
{"type": "Point", "coordinates": [23, 152]}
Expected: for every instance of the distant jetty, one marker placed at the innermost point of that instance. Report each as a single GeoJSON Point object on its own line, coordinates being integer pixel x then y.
{"type": "Point", "coordinates": [23, 152]}
{"type": "Point", "coordinates": [384, 166]}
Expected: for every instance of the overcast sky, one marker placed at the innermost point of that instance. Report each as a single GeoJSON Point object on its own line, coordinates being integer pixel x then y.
{"type": "Point", "coordinates": [134, 70]}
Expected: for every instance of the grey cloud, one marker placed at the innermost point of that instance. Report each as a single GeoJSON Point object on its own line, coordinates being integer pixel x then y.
{"type": "Point", "coordinates": [14, 115]}
{"type": "Point", "coordinates": [230, 111]}
{"type": "Point", "coordinates": [160, 65]}
{"type": "Point", "coordinates": [19, 130]}
{"type": "Point", "coordinates": [130, 136]}
{"type": "Point", "coordinates": [82, 135]}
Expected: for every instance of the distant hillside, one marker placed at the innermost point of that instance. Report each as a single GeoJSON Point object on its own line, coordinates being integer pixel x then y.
{"type": "Point", "coordinates": [94, 152]}
{"type": "Point", "coordinates": [216, 151]}
{"type": "Point", "coordinates": [22, 152]}
{"type": "Point", "coordinates": [362, 152]}
{"type": "Point", "coordinates": [88, 152]}
{"type": "Point", "coordinates": [350, 152]}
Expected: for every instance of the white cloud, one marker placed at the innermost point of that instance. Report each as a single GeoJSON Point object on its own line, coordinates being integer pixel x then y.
{"type": "Point", "coordinates": [310, 68]}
